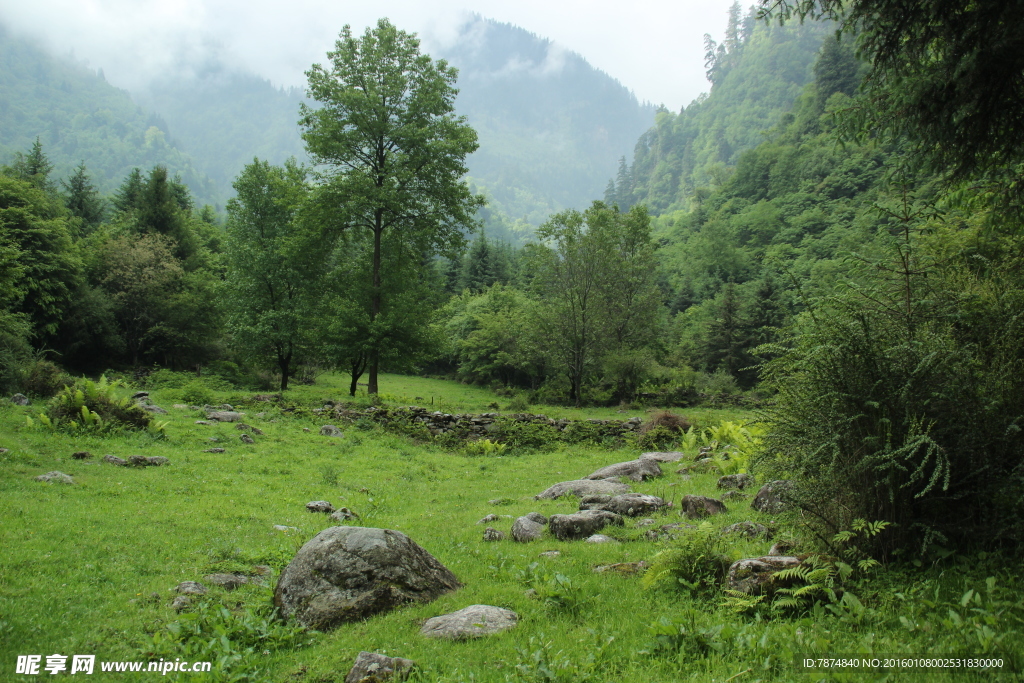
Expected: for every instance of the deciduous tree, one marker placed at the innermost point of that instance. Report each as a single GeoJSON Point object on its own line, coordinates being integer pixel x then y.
{"type": "Point", "coordinates": [392, 150]}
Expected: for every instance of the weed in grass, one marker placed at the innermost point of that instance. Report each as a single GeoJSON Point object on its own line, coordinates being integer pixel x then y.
{"type": "Point", "coordinates": [329, 475]}
{"type": "Point", "coordinates": [695, 562]}
{"type": "Point", "coordinates": [540, 662]}
{"type": "Point", "coordinates": [236, 639]}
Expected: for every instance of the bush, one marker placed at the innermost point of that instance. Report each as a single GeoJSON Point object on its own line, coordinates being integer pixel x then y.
{"type": "Point", "coordinates": [667, 421]}
{"type": "Point", "coordinates": [903, 403]}
{"type": "Point", "coordinates": [93, 406]}
{"type": "Point", "coordinates": [45, 379]}
{"type": "Point", "coordinates": [697, 562]}
{"type": "Point", "coordinates": [196, 393]}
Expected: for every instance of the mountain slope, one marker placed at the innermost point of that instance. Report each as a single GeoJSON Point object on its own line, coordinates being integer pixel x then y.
{"type": "Point", "coordinates": [78, 116]}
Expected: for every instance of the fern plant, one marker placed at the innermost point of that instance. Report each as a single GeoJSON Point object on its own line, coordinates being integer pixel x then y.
{"type": "Point", "coordinates": [94, 407]}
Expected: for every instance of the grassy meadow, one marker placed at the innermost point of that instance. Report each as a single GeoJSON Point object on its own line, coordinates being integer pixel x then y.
{"type": "Point", "coordinates": [90, 568]}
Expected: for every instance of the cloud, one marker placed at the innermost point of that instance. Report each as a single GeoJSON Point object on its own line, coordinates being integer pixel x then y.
{"type": "Point", "coordinates": [653, 47]}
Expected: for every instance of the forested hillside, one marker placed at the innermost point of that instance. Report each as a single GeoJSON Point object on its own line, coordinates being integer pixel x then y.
{"type": "Point", "coordinates": [78, 116]}
{"type": "Point", "coordinates": [756, 73]}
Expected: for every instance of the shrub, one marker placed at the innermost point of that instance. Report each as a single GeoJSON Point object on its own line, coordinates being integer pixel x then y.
{"type": "Point", "coordinates": [666, 421]}
{"type": "Point", "coordinates": [45, 379]}
{"type": "Point", "coordinates": [696, 562]}
{"type": "Point", "coordinates": [93, 406]}
{"type": "Point", "coordinates": [196, 393]}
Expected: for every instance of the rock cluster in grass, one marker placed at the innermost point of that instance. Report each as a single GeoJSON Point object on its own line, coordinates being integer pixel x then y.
{"type": "Point", "coordinates": [526, 529]}
{"type": "Point", "coordinates": [476, 425]}
{"type": "Point", "coordinates": [696, 507]}
{"type": "Point", "coordinates": [756, 575]}
{"type": "Point", "coordinates": [626, 504]}
{"type": "Point", "coordinates": [346, 574]}
{"type": "Point", "coordinates": [640, 469]}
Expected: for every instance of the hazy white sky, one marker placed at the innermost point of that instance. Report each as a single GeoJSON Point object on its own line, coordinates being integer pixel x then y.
{"type": "Point", "coordinates": [654, 47]}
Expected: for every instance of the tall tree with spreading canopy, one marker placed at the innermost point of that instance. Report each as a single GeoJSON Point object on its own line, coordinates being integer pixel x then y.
{"type": "Point", "coordinates": [392, 151]}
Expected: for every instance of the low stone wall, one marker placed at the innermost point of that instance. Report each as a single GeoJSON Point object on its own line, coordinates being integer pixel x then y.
{"type": "Point", "coordinates": [494, 426]}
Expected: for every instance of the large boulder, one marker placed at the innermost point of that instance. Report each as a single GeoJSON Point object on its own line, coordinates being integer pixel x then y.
{"type": "Point", "coordinates": [755, 576]}
{"type": "Point", "coordinates": [581, 524]}
{"type": "Point", "coordinates": [348, 573]}
{"type": "Point", "coordinates": [525, 530]}
{"type": "Point", "coordinates": [474, 621]}
{"type": "Point", "coordinates": [773, 496]}
{"type": "Point", "coordinates": [582, 487]}
{"type": "Point", "coordinates": [696, 507]}
{"type": "Point", "coordinates": [640, 469]}
{"type": "Point", "coordinates": [20, 400]}
{"type": "Point", "coordinates": [627, 504]}
{"type": "Point", "coordinates": [371, 667]}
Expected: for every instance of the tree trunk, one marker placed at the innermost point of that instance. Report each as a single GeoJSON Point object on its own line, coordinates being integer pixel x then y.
{"type": "Point", "coordinates": [357, 365]}
{"type": "Point", "coordinates": [374, 353]}
{"type": "Point", "coordinates": [284, 363]}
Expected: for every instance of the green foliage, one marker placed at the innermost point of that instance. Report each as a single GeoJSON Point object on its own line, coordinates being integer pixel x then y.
{"type": "Point", "coordinates": [275, 269]}
{"type": "Point", "coordinates": [236, 640]}
{"type": "Point", "coordinates": [197, 393]}
{"type": "Point", "coordinates": [94, 407]}
{"type": "Point", "coordinates": [393, 154]}
{"type": "Point", "coordinates": [696, 562]}
{"type": "Point", "coordinates": [484, 447]}
{"type": "Point", "coordinates": [540, 662]}
{"type": "Point", "coordinates": [557, 591]}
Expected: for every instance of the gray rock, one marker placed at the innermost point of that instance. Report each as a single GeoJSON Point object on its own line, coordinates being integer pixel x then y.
{"type": "Point", "coordinates": [282, 527]}
{"type": "Point", "coordinates": [81, 455]}
{"type": "Point", "coordinates": [4, 451]}
{"type": "Point", "coordinates": [474, 621]}
{"type": "Point", "coordinates": [190, 588]}
{"type": "Point", "coordinates": [624, 568]}
{"type": "Point", "coordinates": [668, 456]}
{"type": "Point", "coordinates": [581, 524]}
{"type": "Point", "coordinates": [140, 395]}
{"type": "Point", "coordinates": [180, 406]}
{"type": "Point", "coordinates": [551, 553]}
{"type": "Point", "coordinates": [245, 438]}
{"type": "Point", "coordinates": [780, 548]}
{"type": "Point", "coordinates": [492, 534]}
{"type": "Point", "coordinates": [156, 410]}
{"type": "Point", "coordinates": [349, 573]}
{"type": "Point", "coordinates": [489, 518]}
{"type": "Point", "coordinates": [213, 450]}
{"type": "Point", "coordinates": [749, 529]}
{"type": "Point", "coordinates": [146, 461]}
{"type": "Point", "coordinates": [734, 495]}
{"type": "Point", "coordinates": [114, 460]}
{"type": "Point", "coordinates": [227, 407]}
{"type": "Point", "coordinates": [755, 576]}
{"type": "Point", "coordinates": [581, 487]}
{"type": "Point", "coordinates": [20, 400]}
{"type": "Point", "coordinates": [640, 469]}
{"type": "Point", "coordinates": [320, 506]}
{"type": "Point", "coordinates": [695, 507]}
{"type": "Point", "coordinates": [627, 504]}
{"type": "Point", "coordinates": [330, 430]}
{"type": "Point", "coordinates": [242, 427]}
{"type": "Point", "coordinates": [256, 430]}
{"type": "Point", "coordinates": [181, 603]}
{"type": "Point", "coordinates": [371, 667]}
{"type": "Point", "coordinates": [600, 538]}
{"type": "Point", "coordinates": [525, 530]}
{"type": "Point", "coordinates": [203, 422]}
{"type": "Point", "coordinates": [224, 416]}
{"type": "Point", "coordinates": [773, 496]}
{"type": "Point", "coordinates": [536, 517]}
{"type": "Point", "coordinates": [227, 581]}
{"type": "Point", "coordinates": [344, 515]}
{"type": "Point", "coordinates": [735, 481]}
{"type": "Point", "coordinates": [56, 476]}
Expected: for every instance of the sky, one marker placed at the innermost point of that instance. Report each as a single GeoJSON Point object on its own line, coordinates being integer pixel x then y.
{"type": "Point", "coordinates": [653, 47]}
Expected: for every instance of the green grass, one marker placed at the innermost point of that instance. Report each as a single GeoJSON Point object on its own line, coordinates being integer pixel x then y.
{"type": "Point", "coordinates": [89, 568]}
